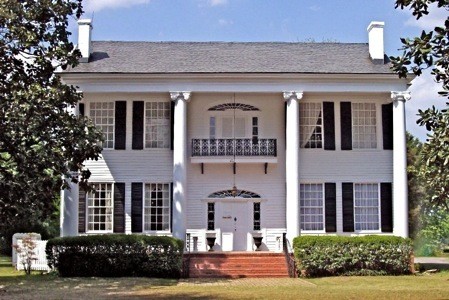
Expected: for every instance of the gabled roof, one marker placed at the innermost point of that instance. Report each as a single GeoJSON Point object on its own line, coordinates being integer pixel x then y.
{"type": "Point", "coordinates": [227, 57]}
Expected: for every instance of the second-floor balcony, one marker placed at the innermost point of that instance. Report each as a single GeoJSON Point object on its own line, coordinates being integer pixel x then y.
{"type": "Point", "coordinates": [239, 148]}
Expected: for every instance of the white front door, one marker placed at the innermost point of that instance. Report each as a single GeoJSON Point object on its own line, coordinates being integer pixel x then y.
{"type": "Point", "coordinates": [234, 226]}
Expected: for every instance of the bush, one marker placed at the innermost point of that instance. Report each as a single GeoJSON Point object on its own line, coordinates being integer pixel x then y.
{"type": "Point", "coordinates": [116, 255]}
{"type": "Point", "coordinates": [342, 255]}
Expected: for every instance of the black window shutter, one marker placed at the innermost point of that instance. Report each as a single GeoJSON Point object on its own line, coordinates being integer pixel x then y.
{"type": "Point", "coordinates": [172, 124]}
{"type": "Point", "coordinates": [346, 125]}
{"type": "Point", "coordinates": [387, 126]}
{"type": "Point", "coordinates": [120, 125]}
{"type": "Point", "coordinates": [348, 206]}
{"type": "Point", "coordinates": [82, 211]}
{"type": "Point", "coordinates": [171, 207]}
{"type": "Point", "coordinates": [136, 206]}
{"type": "Point", "coordinates": [119, 207]}
{"type": "Point", "coordinates": [329, 125]}
{"type": "Point", "coordinates": [330, 196]}
{"type": "Point", "coordinates": [386, 206]}
{"type": "Point", "coordinates": [81, 109]}
{"type": "Point", "coordinates": [138, 113]}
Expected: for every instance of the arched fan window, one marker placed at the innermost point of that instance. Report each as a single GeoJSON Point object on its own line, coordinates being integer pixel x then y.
{"type": "Point", "coordinates": [226, 106]}
{"type": "Point", "coordinates": [234, 194]}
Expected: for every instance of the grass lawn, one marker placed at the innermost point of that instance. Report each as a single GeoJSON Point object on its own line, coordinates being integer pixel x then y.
{"type": "Point", "coordinates": [15, 285]}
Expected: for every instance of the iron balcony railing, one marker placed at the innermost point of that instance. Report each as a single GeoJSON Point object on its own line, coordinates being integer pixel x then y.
{"type": "Point", "coordinates": [231, 147]}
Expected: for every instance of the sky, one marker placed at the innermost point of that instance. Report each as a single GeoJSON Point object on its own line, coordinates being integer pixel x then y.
{"type": "Point", "coordinates": [266, 20]}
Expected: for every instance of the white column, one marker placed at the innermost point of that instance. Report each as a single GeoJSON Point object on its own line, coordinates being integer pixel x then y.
{"type": "Point", "coordinates": [292, 163]}
{"type": "Point", "coordinates": [68, 224]}
{"type": "Point", "coordinates": [180, 164]}
{"type": "Point", "coordinates": [400, 192]}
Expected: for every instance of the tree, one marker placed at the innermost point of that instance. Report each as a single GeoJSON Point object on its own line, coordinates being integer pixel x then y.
{"type": "Point", "coordinates": [40, 140]}
{"type": "Point", "coordinates": [417, 192]}
{"type": "Point", "coordinates": [430, 51]}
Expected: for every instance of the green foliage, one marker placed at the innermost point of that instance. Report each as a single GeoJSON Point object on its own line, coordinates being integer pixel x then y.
{"type": "Point", "coordinates": [116, 256]}
{"type": "Point", "coordinates": [342, 255]}
{"type": "Point", "coordinates": [434, 235]}
{"type": "Point", "coordinates": [40, 140]}
{"type": "Point", "coordinates": [435, 154]}
{"type": "Point", "coordinates": [417, 191]}
{"type": "Point", "coordinates": [430, 50]}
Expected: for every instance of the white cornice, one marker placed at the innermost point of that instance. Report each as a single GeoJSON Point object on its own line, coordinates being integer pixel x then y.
{"type": "Point", "coordinates": [132, 83]}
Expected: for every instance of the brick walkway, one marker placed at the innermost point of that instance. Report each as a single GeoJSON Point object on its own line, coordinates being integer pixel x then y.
{"type": "Point", "coordinates": [245, 282]}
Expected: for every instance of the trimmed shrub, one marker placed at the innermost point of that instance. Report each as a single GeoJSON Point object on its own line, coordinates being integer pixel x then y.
{"type": "Point", "coordinates": [116, 255]}
{"type": "Point", "coordinates": [341, 255]}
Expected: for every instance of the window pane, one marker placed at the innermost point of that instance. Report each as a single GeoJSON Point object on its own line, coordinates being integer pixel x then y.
{"type": "Point", "coordinates": [366, 206]}
{"type": "Point", "coordinates": [227, 125]}
{"type": "Point", "coordinates": [364, 126]}
{"type": "Point", "coordinates": [100, 208]}
{"type": "Point", "coordinates": [310, 125]}
{"type": "Point", "coordinates": [157, 125]}
{"type": "Point", "coordinates": [157, 207]}
{"type": "Point", "coordinates": [311, 206]}
{"type": "Point", "coordinates": [102, 114]}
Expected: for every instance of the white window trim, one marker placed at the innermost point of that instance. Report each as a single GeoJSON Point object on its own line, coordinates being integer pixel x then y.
{"type": "Point", "coordinates": [87, 210]}
{"type": "Point", "coordinates": [379, 132]}
{"type": "Point", "coordinates": [324, 210]}
{"type": "Point", "coordinates": [87, 113]}
{"type": "Point", "coordinates": [157, 232]}
{"type": "Point", "coordinates": [145, 126]}
{"type": "Point", "coordinates": [378, 206]}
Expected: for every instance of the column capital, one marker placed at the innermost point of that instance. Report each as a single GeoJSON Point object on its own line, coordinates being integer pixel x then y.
{"type": "Point", "coordinates": [180, 95]}
{"type": "Point", "coordinates": [293, 95]}
{"type": "Point", "coordinates": [400, 96]}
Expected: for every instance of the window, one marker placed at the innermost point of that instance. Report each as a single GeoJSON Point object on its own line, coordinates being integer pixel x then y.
{"type": "Point", "coordinates": [100, 208]}
{"type": "Point", "coordinates": [157, 124]}
{"type": "Point", "coordinates": [366, 206]}
{"type": "Point", "coordinates": [256, 216]}
{"type": "Point", "coordinates": [157, 207]}
{"type": "Point", "coordinates": [212, 127]}
{"type": "Point", "coordinates": [102, 114]}
{"type": "Point", "coordinates": [311, 206]}
{"type": "Point", "coordinates": [211, 216]}
{"type": "Point", "coordinates": [364, 126]}
{"type": "Point", "coordinates": [310, 125]}
{"type": "Point", "coordinates": [255, 128]}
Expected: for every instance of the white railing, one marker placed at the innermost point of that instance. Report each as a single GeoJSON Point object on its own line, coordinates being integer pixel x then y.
{"type": "Point", "coordinates": [40, 263]}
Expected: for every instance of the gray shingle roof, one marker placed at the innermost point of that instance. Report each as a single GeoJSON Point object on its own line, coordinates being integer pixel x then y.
{"type": "Point", "coordinates": [227, 57]}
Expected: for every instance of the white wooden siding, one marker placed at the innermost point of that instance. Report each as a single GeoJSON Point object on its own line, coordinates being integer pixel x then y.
{"type": "Point", "coordinates": [315, 165]}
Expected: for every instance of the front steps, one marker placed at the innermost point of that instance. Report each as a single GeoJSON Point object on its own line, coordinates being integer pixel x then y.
{"type": "Point", "coordinates": [237, 265]}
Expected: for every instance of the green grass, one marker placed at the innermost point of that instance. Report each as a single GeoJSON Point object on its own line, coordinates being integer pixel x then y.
{"type": "Point", "coordinates": [15, 285]}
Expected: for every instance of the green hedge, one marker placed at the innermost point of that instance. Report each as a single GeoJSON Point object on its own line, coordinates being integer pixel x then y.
{"type": "Point", "coordinates": [116, 255]}
{"type": "Point", "coordinates": [342, 255]}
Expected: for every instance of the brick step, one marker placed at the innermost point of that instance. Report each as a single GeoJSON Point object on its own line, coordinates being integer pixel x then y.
{"type": "Point", "coordinates": [237, 272]}
{"type": "Point", "coordinates": [240, 276]}
{"type": "Point", "coordinates": [237, 265]}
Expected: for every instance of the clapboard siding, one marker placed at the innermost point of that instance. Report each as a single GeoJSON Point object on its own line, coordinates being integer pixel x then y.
{"type": "Point", "coordinates": [270, 186]}
{"type": "Point", "coordinates": [133, 165]}
{"type": "Point", "coordinates": [315, 165]}
{"type": "Point", "coordinates": [346, 165]}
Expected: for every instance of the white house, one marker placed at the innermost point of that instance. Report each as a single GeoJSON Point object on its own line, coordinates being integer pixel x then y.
{"type": "Point", "coordinates": [235, 140]}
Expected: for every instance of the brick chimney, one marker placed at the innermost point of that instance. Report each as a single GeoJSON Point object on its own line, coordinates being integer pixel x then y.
{"type": "Point", "coordinates": [84, 38]}
{"type": "Point", "coordinates": [376, 41]}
